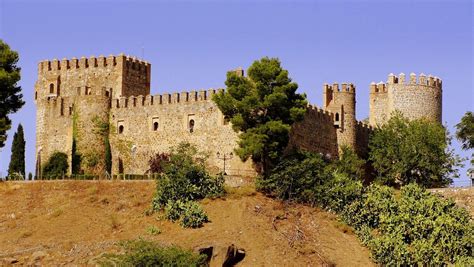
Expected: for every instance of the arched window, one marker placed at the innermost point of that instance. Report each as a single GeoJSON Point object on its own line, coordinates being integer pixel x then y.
{"type": "Point", "coordinates": [155, 126]}
{"type": "Point", "coordinates": [191, 126]}
{"type": "Point", "coordinates": [51, 88]}
{"type": "Point", "coordinates": [121, 128]}
{"type": "Point", "coordinates": [337, 116]}
{"type": "Point", "coordinates": [36, 95]}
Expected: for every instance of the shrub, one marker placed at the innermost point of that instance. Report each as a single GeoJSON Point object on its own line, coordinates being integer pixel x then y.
{"type": "Point", "coordinates": [146, 253]}
{"type": "Point", "coordinates": [193, 216]}
{"type": "Point", "coordinates": [350, 164]}
{"type": "Point", "coordinates": [297, 177]}
{"type": "Point", "coordinates": [339, 192]}
{"type": "Point", "coordinates": [184, 179]}
{"type": "Point", "coordinates": [57, 165]}
{"type": "Point", "coordinates": [416, 227]}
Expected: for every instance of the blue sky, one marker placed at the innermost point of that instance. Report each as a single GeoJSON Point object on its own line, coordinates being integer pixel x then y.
{"type": "Point", "coordinates": [192, 44]}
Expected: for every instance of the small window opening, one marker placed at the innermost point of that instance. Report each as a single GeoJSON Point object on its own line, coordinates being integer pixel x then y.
{"type": "Point", "coordinates": [155, 126]}
{"type": "Point", "coordinates": [51, 88]}
{"type": "Point", "coordinates": [191, 126]}
{"type": "Point", "coordinates": [121, 129]}
{"type": "Point", "coordinates": [337, 116]}
{"type": "Point", "coordinates": [36, 95]}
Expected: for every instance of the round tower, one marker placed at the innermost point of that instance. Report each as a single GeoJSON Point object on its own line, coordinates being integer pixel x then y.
{"type": "Point", "coordinates": [341, 102]}
{"type": "Point", "coordinates": [415, 98]}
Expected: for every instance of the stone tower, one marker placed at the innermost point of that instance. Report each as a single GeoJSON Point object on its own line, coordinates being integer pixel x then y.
{"type": "Point", "coordinates": [341, 102]}
{"type": "Point", "coordinates": [73, 97]}
{"type": "Point", "coordinates": [414, 98]}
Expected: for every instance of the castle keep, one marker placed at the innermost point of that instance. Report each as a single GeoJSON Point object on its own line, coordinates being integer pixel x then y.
{"type": "Point", "coordinates": [85, 106]}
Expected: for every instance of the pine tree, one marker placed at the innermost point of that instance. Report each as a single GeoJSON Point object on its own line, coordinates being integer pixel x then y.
{"type": "Point", "coordinates": [17, 161]}
{"type": "Point", "coordinates": [10, 92]}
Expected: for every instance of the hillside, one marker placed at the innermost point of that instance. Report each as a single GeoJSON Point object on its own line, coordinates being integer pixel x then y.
{"type": "Point", "coordinates": [74, 222]}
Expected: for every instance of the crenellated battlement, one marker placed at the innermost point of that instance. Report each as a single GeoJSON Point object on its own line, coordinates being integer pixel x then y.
{"type": "Point", "coordinates": [344, 87]}
{"type": "Point", "coordinates": [165, 99]}
{"type": "Point", "coordinates": [111, 61]}
{"type": "Point", "coordinates": [401, 79]}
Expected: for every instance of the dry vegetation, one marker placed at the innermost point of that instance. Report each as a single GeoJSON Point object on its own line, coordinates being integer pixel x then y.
{"type": "Point", "coordinates": [464, 197]}
{"type": "Point", "coordinates": [65, 222]}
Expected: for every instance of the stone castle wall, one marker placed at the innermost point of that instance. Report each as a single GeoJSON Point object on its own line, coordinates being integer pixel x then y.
{"type": "Point", "coordinates": [72, 96]}
{"type": "Point", "coordinates": [143, 126]}
{"type": "Point", "coordinates": [415, 99]}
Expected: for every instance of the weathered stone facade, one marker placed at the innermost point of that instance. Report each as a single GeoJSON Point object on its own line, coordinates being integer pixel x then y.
{"type": "Point", "coordinates": [74, 97]}
{"type": "Point", "coordinates": [414, 99]}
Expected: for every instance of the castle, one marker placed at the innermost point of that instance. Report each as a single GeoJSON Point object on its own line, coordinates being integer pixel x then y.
{"type": "Point", "coordinates": [85, 106]}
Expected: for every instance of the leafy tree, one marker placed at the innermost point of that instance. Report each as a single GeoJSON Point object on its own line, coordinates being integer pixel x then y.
{"type": "Point", "coordinates": [404, 151]}
{"type": "Point", "coordinates": [465, 134]}
{"type": "Point", "coordinates": [298, 177]}
{"type": "Point", "coordinates": [350, 164]}
{"type": "Point", "coordinates": [465, 130]}
{"type": "Point", "coordinates": [17, 161]}
{"type": "Point", "coordinates": [56, 166]}
{"type": "Point", "coordinates": [262, 107]}
{"type": "Point", "coordinates": [10, 96]}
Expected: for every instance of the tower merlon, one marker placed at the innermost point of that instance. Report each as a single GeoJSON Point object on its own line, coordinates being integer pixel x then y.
{"type": "Point", "coordinates": [422, 80]}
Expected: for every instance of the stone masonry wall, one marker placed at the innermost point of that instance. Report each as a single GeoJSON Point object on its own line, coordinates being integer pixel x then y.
{"type": "Point", "coordinates": [316, 133]}
{"type": "Point", "coordinates": [415, 99]}
{"type": "Point", "coordinates": [135, 139]}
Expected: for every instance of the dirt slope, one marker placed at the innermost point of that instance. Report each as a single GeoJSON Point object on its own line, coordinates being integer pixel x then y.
{"type": "Point", "coordinates": [74, 222]}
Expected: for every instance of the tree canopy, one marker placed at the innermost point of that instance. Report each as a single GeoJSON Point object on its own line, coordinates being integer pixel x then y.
{"type": "Point", "coordinates": [10, 96]}
{"type": "Point", "coordinates": [465, 134]}
{"type": "Point", "coordinates": [57, 166]}
{"type": "Point", "coordinates": [262, 107]}
{"type": "Point", "coordinates": [17, 161]}
{"type": "Point", "coordinates": [404, 151]}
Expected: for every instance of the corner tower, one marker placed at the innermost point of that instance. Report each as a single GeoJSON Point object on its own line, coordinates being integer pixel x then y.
{"type": "Point", "coordinates": [72, 96]}
{"type": "Point", "coordinates": [341, 102]}
{"type": "Point", "coordinates": [415, 98]}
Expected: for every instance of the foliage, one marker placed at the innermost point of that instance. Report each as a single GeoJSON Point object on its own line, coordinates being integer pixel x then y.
{"type": "Point", "coordinates": [56, 166]}
{"type": "Point", "coordinates": [417, 227]}
{"type": "Point", "coordinates": [10, 96]}
{"type": "Point", "coordinates": [262, 108]}
{"type": "Point", "coordinates": [183, 180]}
{"type": "Point", "coordinates": [350, 164]}
{"type": "Point", "coordinates": [189, 213]}
{"type": "Point", "coordinates": [76, 157]}
{"type": "Point", "coordinates": [465, 130]}
{"type": "Point", "coordinates": [17, 161]}
{"type": "Point", "coordinates": [297, 177]}
{"type": "Point", "coordinates": [339, 191]}
{"type": "Point", "coordinates": [30, 176]}
{"type": "Point", "coordinates": [153, 230]}
{"type": "Point", "coordinates": [465, 134]}
{"type": "Point", "coordinates": [404, 151]}
{"type": "Point", "coordinates": [146, 253]}
{"type": "Point", "coordinates": [157, 162]}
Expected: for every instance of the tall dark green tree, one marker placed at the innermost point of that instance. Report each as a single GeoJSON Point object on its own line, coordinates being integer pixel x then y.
{"type": "Point", "coordinates": [10, 96]}
{"type": "Point", "coordinates": [262, 107]}
{"type": "Point", "coordinates": [17, 161]}
{"type": "Point", "coordinates": [404, 151]}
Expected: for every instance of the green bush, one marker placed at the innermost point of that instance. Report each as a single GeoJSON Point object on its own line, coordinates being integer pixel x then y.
{"type": "Point", "coordinates": [298, 177]}
{"type": "Point", "coordinates": [146, 253]}
{"type": "Point", "coordinates": [56, 166]}
{"type": "Point", "coordinates": [339, 191]}
{"type": "Point", "coordinates": [416, 227]}
{"type": "Point", "coordinates": [183, 180]}
{"type": "Point", "coordinates": [193, 216]}
{"type": "Point", "coordinates": [350, 164]}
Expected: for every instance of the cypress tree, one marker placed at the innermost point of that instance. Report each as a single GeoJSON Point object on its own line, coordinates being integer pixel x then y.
{"type": "Point", "coordinates": [17, 161]}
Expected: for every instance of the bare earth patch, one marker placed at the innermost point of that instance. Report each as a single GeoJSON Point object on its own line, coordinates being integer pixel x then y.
{"type": "Point", "coordinates": [74, 222]}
